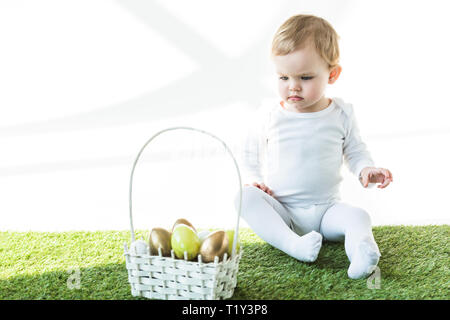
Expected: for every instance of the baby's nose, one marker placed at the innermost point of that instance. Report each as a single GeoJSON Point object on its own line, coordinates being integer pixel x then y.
{"type": "Point", "coordinates": [295, 87]}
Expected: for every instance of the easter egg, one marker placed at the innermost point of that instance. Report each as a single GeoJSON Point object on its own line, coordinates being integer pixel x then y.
{"type": "Point", "coordinates": [203, 234]}
{"type": "Point", "coordinates": [184, 238]}
{"type": "Point", "coordinates": [160, 238]}
{"type": "Point", "coordinates": [183, 221]}
{"type": "Point", "coordinates": [216, 244]}
{"type": "Point", "coordinates": [230, 234]}
{"type": "Point", "coordinates": [139, 247]}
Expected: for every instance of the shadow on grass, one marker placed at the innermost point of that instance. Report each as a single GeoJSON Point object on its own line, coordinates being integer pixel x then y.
{"type": "Point", "coordinates": [264, 273]}
{"type": "Point", "coordinates": [414, 265]}
{"type": "Point", "coordinates": [268, 273]}
{"type": "Point", "coordinates": [104, 282]}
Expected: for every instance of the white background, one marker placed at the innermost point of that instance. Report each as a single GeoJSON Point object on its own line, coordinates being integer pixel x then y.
{"type": "Point", "coordinates": [83, 85]}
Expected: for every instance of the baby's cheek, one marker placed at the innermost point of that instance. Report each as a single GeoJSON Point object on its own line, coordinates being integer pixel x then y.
{"type": "Point", "coordinates": [282, 90]}
{"type": "Point", "coordinates": [282, 87]}
{"type": "Point", "coordinates": [315, 91]}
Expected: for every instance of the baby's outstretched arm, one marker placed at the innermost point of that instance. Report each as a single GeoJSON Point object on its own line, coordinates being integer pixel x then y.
{"type": "Point", "coordinates": [375, 175]}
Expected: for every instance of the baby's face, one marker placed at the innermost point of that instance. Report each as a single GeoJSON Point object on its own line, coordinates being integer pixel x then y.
{"type": "Point", "coordinates": [302, 78]}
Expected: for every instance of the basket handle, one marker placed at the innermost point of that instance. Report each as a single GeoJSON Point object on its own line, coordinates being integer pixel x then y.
{"type": "Point", "coordinates": [233, 252]}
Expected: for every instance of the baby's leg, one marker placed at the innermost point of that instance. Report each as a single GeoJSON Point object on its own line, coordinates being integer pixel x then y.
{"type": "Point", "coordinates": [342, 221]}
{"type": "Point", "coordinates": [270, 221]}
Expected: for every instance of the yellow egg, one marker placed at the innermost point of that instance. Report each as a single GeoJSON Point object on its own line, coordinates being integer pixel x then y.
{"type": "Point", "coordinates": [185, 239]}
{"type": "Point", "coordinates": [183, 221]}
{"type": "Point", "coordinates": [160, 238]}
{"type": "Point", "coordinates": [230, 234]}
{"type": "Point", "coordinates": [216, 244]}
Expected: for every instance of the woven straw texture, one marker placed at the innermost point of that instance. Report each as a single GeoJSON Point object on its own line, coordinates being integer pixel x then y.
{"type": "Point", "coordinates": [167, 278]}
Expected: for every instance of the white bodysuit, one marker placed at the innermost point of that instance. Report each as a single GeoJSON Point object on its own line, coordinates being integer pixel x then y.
{"type": "Point", "coordinates": [299, 157]}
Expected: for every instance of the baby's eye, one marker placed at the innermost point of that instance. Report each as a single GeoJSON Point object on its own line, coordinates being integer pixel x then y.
{"type": "Point", "coordinates": [283, 78]}
{"type": "Point", "coordinates": [307, 78]}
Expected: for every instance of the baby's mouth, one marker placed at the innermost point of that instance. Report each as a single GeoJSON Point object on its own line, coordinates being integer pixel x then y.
{"type": "Point", "coordinates": [295, 98]}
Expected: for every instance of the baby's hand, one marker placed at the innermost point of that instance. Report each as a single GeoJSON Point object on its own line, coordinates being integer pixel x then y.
{"type": "Point", "coordinates": [263, 187]}
{"type": "Point", "coordinates": [376, 175]}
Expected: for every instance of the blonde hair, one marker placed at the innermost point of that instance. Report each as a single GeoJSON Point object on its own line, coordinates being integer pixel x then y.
{"type": "Point", "coordinates": [301, 30]}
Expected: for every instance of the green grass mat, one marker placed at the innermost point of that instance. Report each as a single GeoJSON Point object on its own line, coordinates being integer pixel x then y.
{"type": "Point", "coordinates": [414, 265]}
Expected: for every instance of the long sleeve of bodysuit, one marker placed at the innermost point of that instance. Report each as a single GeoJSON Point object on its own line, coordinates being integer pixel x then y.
{"type": "Point", "coordinates": [356, 155]}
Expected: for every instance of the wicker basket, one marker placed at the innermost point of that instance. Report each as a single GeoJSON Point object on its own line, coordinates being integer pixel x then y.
{"type": "Point", "coordinates": [168, 278]}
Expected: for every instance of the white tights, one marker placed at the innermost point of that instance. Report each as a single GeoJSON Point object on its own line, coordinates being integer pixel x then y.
{"type": "Point", "coordinates": [298, 231]}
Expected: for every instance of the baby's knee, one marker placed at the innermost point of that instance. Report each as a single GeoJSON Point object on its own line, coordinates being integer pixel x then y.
{"type": "Point", "coordinates": [248, 193]}
{"type": "Point", "coordinates": [361, 216]}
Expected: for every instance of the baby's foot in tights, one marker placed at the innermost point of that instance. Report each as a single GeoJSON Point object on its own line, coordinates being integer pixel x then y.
{"type": "Point", "coordinates": [307, 247]}
{"type": "Point", "coordinates": [364, 259]}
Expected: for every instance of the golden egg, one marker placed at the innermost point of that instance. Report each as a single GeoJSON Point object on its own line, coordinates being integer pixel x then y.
{"type": "Point", "coordinates": [183, 221]}
{"type": "Point", "coordinates": [160, 238]}
{"type": "Point", "coordinates": [216, 244]}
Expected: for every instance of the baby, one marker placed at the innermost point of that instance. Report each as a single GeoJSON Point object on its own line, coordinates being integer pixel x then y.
{"type": "Point", "coordinates": [299, 146]}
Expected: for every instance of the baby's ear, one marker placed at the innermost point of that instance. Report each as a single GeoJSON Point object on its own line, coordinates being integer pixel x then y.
{"type": "Point", "coordinates": [334, 74]}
